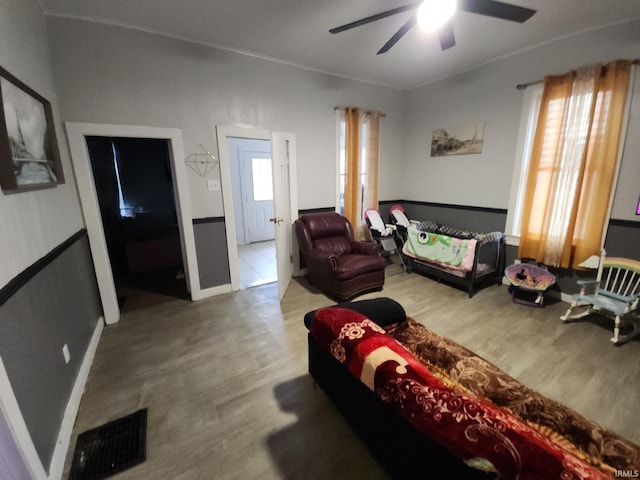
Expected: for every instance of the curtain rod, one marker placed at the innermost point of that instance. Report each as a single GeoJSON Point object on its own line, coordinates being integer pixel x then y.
{"type": "Point", "coordinates": [364, 111]}
{"type": "Point", "coordinates": [523, 86]}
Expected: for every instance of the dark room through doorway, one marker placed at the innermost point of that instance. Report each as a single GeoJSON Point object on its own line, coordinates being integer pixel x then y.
{"type": "Point", "coordinates": [135, 191]}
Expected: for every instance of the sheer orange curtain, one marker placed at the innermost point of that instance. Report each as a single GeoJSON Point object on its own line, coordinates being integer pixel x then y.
{"type": "Point", "coordinates": [352, 174]}
{"type": "Point", "coordinates": [573, 164]}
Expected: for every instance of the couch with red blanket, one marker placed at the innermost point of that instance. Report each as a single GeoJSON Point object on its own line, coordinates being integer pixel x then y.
{"type": "Point", "coordinates": [429, 408]}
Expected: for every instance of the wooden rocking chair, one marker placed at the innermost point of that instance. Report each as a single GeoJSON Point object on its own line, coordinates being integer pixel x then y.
{"type": "Point", "coordinates": [614, 293]}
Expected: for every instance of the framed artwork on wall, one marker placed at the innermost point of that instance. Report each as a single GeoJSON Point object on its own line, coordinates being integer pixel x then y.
{"type": "Point", "coordinates": [462, 140]}
{"type": "Point", "coordinates": [29, 154]}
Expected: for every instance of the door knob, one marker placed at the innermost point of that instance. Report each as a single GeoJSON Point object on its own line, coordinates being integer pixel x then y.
{"type": "Point", "coordinates": [276, 220]}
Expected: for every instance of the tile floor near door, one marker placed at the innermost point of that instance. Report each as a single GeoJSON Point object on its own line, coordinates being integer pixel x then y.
{"type": "Point", "coordinates": [257, 264]}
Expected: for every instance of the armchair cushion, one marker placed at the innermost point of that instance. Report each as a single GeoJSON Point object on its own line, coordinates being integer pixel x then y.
{"type": "Point", "coordinates": [350, 266]}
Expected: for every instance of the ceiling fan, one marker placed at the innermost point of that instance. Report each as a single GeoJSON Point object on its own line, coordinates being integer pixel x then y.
{"type": "Point", "coordinates": [489, 8]}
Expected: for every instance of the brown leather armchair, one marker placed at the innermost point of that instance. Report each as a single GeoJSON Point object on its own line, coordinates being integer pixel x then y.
{"type": "Point", "coordinates": [336, 264]}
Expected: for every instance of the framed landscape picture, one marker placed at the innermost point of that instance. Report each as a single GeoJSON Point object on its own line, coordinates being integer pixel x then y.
{"type": "Point", "coordinates": [29, 155]}
{"type": "Point", "coordinates": [467, 139]}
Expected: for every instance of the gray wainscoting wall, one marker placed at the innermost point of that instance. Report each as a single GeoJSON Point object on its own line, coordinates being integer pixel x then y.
{"type": "Point", "coordinates": [622, 240]}
{"type": "Point", "coordinates": [211, 249]}
{"type": "Point", "coordinates": [465, 217]}
{"type": "Point", "coordinates": [52, 303]}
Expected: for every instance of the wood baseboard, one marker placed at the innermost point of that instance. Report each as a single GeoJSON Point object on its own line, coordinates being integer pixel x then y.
{"type": "Point", "coordinates": [70, 413]}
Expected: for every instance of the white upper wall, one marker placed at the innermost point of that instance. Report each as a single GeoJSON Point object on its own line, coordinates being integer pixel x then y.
{"type": "Point", "coordinates": [108, 74]}
{"type": "Point", "coordinates": [33, 223]}
{"type": "Point", "coordinates": [488, 94]}
{"type": "Point", "coordinates": [628, 188]}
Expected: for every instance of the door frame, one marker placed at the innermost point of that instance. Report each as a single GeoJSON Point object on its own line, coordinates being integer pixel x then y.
{"type": "Point", "coordinates": [222, 133]}
{"type": "Point", "coordinates": [76, 133]}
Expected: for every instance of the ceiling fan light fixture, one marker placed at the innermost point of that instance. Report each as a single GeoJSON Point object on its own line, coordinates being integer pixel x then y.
{"type": "Point", "coordinates": [432, 14]}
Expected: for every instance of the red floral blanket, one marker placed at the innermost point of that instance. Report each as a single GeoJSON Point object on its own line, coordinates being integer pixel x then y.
{"type": "Point", "coordinates": [479, 432]}
{"type": "Point", "coordinates": [459, 366]}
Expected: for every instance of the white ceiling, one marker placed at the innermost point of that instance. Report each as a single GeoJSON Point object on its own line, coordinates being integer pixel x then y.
{"type": "Point", "coordinates": [296, 31]}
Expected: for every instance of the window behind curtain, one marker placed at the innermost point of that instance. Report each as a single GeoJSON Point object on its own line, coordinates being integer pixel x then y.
{"type": "Point", "coordinates": [531, 107]}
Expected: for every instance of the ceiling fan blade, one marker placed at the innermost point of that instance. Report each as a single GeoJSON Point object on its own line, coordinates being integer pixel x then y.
{"type": "Point", "coordinates": [373, 18]}
{"type": "Point", "coordinates": [446, 36]}
{"type": "Point", "coordinates": [398, 35]}
{"type": "Point", "coordinates": [493, 8]}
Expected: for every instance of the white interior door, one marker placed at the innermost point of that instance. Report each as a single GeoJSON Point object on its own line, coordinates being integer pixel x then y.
{"type": "Point", "coordinates": [284, 203]}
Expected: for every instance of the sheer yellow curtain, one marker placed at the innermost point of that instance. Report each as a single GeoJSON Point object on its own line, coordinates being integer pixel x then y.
{"type": "Point", "coordinates": [573, 164]}
{"type": "Point", "coordinates": [352, 189]}
{"type": "Point", "coordinates": [602, 158]}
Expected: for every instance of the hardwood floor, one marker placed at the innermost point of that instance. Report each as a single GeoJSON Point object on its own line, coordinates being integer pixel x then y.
{"type": "Point", "coordinates": [142, 289]}
{"type": "Point", "coordinates": [228, 395]}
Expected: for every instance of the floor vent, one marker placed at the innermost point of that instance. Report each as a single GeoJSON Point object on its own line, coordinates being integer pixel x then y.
{"type": "Point", "coordinates": [111, 448]}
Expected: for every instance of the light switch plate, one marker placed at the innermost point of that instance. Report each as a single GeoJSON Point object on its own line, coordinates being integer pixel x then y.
{"type": "Point", "coordinates": [213, 185]}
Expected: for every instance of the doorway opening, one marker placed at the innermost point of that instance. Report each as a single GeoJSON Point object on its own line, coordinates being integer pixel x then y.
{"type": "Point", "coordinates": [135, 192]}
{"type": "Point", "coordinates": [285, 199]}
{"type": "Point", "coordinates": [252, 187]}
